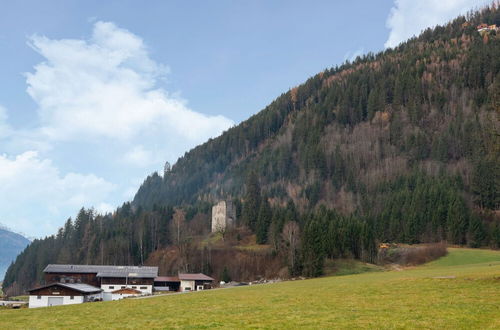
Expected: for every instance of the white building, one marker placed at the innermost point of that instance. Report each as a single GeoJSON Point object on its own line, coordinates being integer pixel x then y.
{"type": "Point", "coordinates": [63, 294]}
{"type": "Point", "coordinates": [195, 282]}
{"type": "Point", "coordinates": [75, 284]}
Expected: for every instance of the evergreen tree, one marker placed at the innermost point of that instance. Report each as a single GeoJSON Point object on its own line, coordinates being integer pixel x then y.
{"type": "Point", "coordinates": [485, 182]}
{"type": "Point", "coordinates": [251, 205]}
{"type": "Point", "coordinates": [263, 221]}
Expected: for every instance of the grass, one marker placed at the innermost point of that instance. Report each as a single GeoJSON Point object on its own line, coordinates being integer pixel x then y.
{"type": "Point", "coordinates": [255, 248]}
{"type": "Point", "coordinates": [340, 267]}
{"type": "Point", "coordinates": [459, 291]}
{"type": "Point", "coordinates": [20, 298]}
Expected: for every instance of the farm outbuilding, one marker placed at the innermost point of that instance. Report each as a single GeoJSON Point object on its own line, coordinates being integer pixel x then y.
{"type": "Point", "coordinates": [167, 283]}
{"type": "Point", "coordinates": [63, 294]}
{"type": "Point", "coordinates": [109, 278]}
{"type": "Point", "coordinates": [195, 282]}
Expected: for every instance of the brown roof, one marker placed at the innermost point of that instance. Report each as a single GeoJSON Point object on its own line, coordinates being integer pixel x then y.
{"type": "Point", "coordinates": [166, 279]}
{"type": "Point", "coordinates": [127, 291]}
{"type": "Point", "coordinates": [79, 287]}
{"type": "Point", "coordinates": [195, 277]}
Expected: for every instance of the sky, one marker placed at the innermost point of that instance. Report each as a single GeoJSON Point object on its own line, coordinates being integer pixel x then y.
{"type": "Point", "coordinates": [96, 95]}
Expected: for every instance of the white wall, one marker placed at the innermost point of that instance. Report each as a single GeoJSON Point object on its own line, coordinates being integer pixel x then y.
{"type": "Point", "coordinates": [34, 302]}
{"type": "Point", "coordinates": [187, 284]}
{"type": "Point", "coordinates": [148, 290]}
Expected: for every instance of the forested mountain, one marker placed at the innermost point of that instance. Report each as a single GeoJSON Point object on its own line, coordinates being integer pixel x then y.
{"type": "Point", "coordinates": [11, 244]}
{"type": "Point", "coordinates": [399, 146]}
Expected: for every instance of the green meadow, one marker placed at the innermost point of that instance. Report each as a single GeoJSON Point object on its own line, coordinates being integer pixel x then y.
{"type": "Point", "coordinates": [459, 291]}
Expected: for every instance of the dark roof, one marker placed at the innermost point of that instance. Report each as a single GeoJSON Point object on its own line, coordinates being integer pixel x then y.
{"type": "Point", "coordinates": [80, 287]}
{"type": "Point", "coordinates": [195, 277]}
{"type": "Point", "coordinates": [166, 279]}
{"type": "Point", "coordinates": [105, 271]}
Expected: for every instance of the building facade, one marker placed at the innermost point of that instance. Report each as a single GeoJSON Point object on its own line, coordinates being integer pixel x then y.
{"type": "Point", "coordinates": [108, 278]}
{"type": "Point", "coordinates": [56, 294]}
{"type": "Point", "coordinates": [195, 282]}
{"type": "Point", "coordinates": [64, 281]}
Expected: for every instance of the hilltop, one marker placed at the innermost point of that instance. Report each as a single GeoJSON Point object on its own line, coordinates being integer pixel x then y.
{"type": "Point", "coordinates": [399, 146]}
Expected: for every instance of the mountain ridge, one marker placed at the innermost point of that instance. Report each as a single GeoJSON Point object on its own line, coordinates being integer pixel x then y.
{"type": "Point", "coordinates": [11, 244]}
{"type": "Point", "coordinates": [399, 146]}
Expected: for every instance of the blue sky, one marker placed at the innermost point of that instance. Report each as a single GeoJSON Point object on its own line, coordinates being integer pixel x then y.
{"type": "Point", "coordinates": [96, 95]}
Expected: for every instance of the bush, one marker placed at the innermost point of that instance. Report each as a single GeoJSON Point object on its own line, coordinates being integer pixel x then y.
{"type": "Point", "coordinates": [412, 255]}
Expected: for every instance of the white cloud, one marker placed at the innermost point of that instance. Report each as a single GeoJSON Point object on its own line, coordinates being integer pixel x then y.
{"type": "Point", "coordinates": [5, 129]}
{"type": "Point", "coordinates": [351, 56]}
{"type": "Point", "coordinates": [409, 17]}
{"type": "Point", "coordinates": [104, 208]}
{"type": "Point", "coordinates": [100, 111]}
{"type": "Point", "coordinates": [138, 156]}
{"type": "Point", "coordinates": [35, 196]}
{"type": "Point", "coordinates": [106, 87]}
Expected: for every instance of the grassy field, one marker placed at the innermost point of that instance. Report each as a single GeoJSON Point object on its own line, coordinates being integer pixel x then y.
{"type": "Point", "coordinates": [461, 290]}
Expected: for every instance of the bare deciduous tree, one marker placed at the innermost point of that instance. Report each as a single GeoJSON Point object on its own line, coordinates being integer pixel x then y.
{"type": "Point", "coordinates": [291, 237]}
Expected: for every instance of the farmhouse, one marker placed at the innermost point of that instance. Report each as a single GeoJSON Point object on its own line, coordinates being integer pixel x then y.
{"type": "Point", "coordinates": [108, 278]}
{"type": "Point", "coordinates": [63, 294]}
{"type": "Point", "coordinates": [75, 284]}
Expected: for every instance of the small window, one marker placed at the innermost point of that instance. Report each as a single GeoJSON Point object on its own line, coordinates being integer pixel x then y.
{"type": "Point", "coordinates": [187, 289]}
{"type": "Point", "coordinates": [39, 297]}
{"type": "Point", "coordinates": [123, 287]}
{"type": "Point", "coordinates": [144, 288]}
{"type": "Point", "coordinates": [111, 287]}
{"type": "Point", "coordinates": [72, 297]}
{"type": "Point", "coordinates": [134, 287]}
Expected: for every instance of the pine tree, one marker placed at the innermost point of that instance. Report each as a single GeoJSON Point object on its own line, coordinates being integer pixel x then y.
{"type": "Point", "coordinates": [263, 221]}
{"type": "Point", "coordinates": [476, 233]}
{"type": "Point", "coordinates": [252, 201]}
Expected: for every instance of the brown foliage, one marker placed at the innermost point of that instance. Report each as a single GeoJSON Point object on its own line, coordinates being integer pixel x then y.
{"type": "Point", "coordinates": [412, 255]}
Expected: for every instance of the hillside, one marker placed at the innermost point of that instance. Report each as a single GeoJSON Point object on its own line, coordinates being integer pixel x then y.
{"type": "Point", "coordinates": [451, 293]}
{"type": "Point", "coordinates": [399, 146]}
{"type": "Point", "coordinates": [11, 244]}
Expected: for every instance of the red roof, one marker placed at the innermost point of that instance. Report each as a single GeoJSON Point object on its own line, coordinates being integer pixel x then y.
{"type": "Point", "coordinates": [166, 279]}
{"type": "Point", "coordinates": [195, 277]}
{"type": "Point", "coordinates": [127, 291]}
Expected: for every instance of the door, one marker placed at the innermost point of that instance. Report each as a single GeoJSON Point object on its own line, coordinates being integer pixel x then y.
{"type": "Point", "coordinates": [55, 301]}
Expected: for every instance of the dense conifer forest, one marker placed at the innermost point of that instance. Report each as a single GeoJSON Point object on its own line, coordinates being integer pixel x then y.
{"type": "Point", "coordinates": [400, 146]}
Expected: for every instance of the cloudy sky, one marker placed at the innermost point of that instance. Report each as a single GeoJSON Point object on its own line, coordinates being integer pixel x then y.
{"type": "Point", "coordinates": [97, 95]}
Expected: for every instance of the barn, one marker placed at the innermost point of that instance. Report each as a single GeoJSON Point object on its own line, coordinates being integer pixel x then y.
{"type": "Point", "coordinates": [109, 278]}
{"type": "Point", "coordinates": [167, 283]}
{"type": "Point", "coordinates": [63, 294]}
{"type": "Point", "coordinates": [195, 282]}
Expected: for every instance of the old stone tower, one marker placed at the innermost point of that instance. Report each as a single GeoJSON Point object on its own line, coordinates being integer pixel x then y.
{"type": "Point", "coordinates": [223, 215]}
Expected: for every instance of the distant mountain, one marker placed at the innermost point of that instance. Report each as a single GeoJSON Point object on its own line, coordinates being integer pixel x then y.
{"type": "Point", "coordinates": [11, 244]}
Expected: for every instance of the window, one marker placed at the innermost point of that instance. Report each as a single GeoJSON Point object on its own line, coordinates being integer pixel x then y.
{"type": "Point", "coordinates": [187, 289]}
{"type": "Point", "coordinates": [144, 288]}
{"type": "Point", "coordinates": [72, 297]}
{"type": "Point", "coordinates": [38, 297]}
{"type": "Point", "coordinates": [134, 287]}
{"type": "Point", "coordinates": [111, 287]}
{"type": "Point", "coordinates": [123, 287]}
